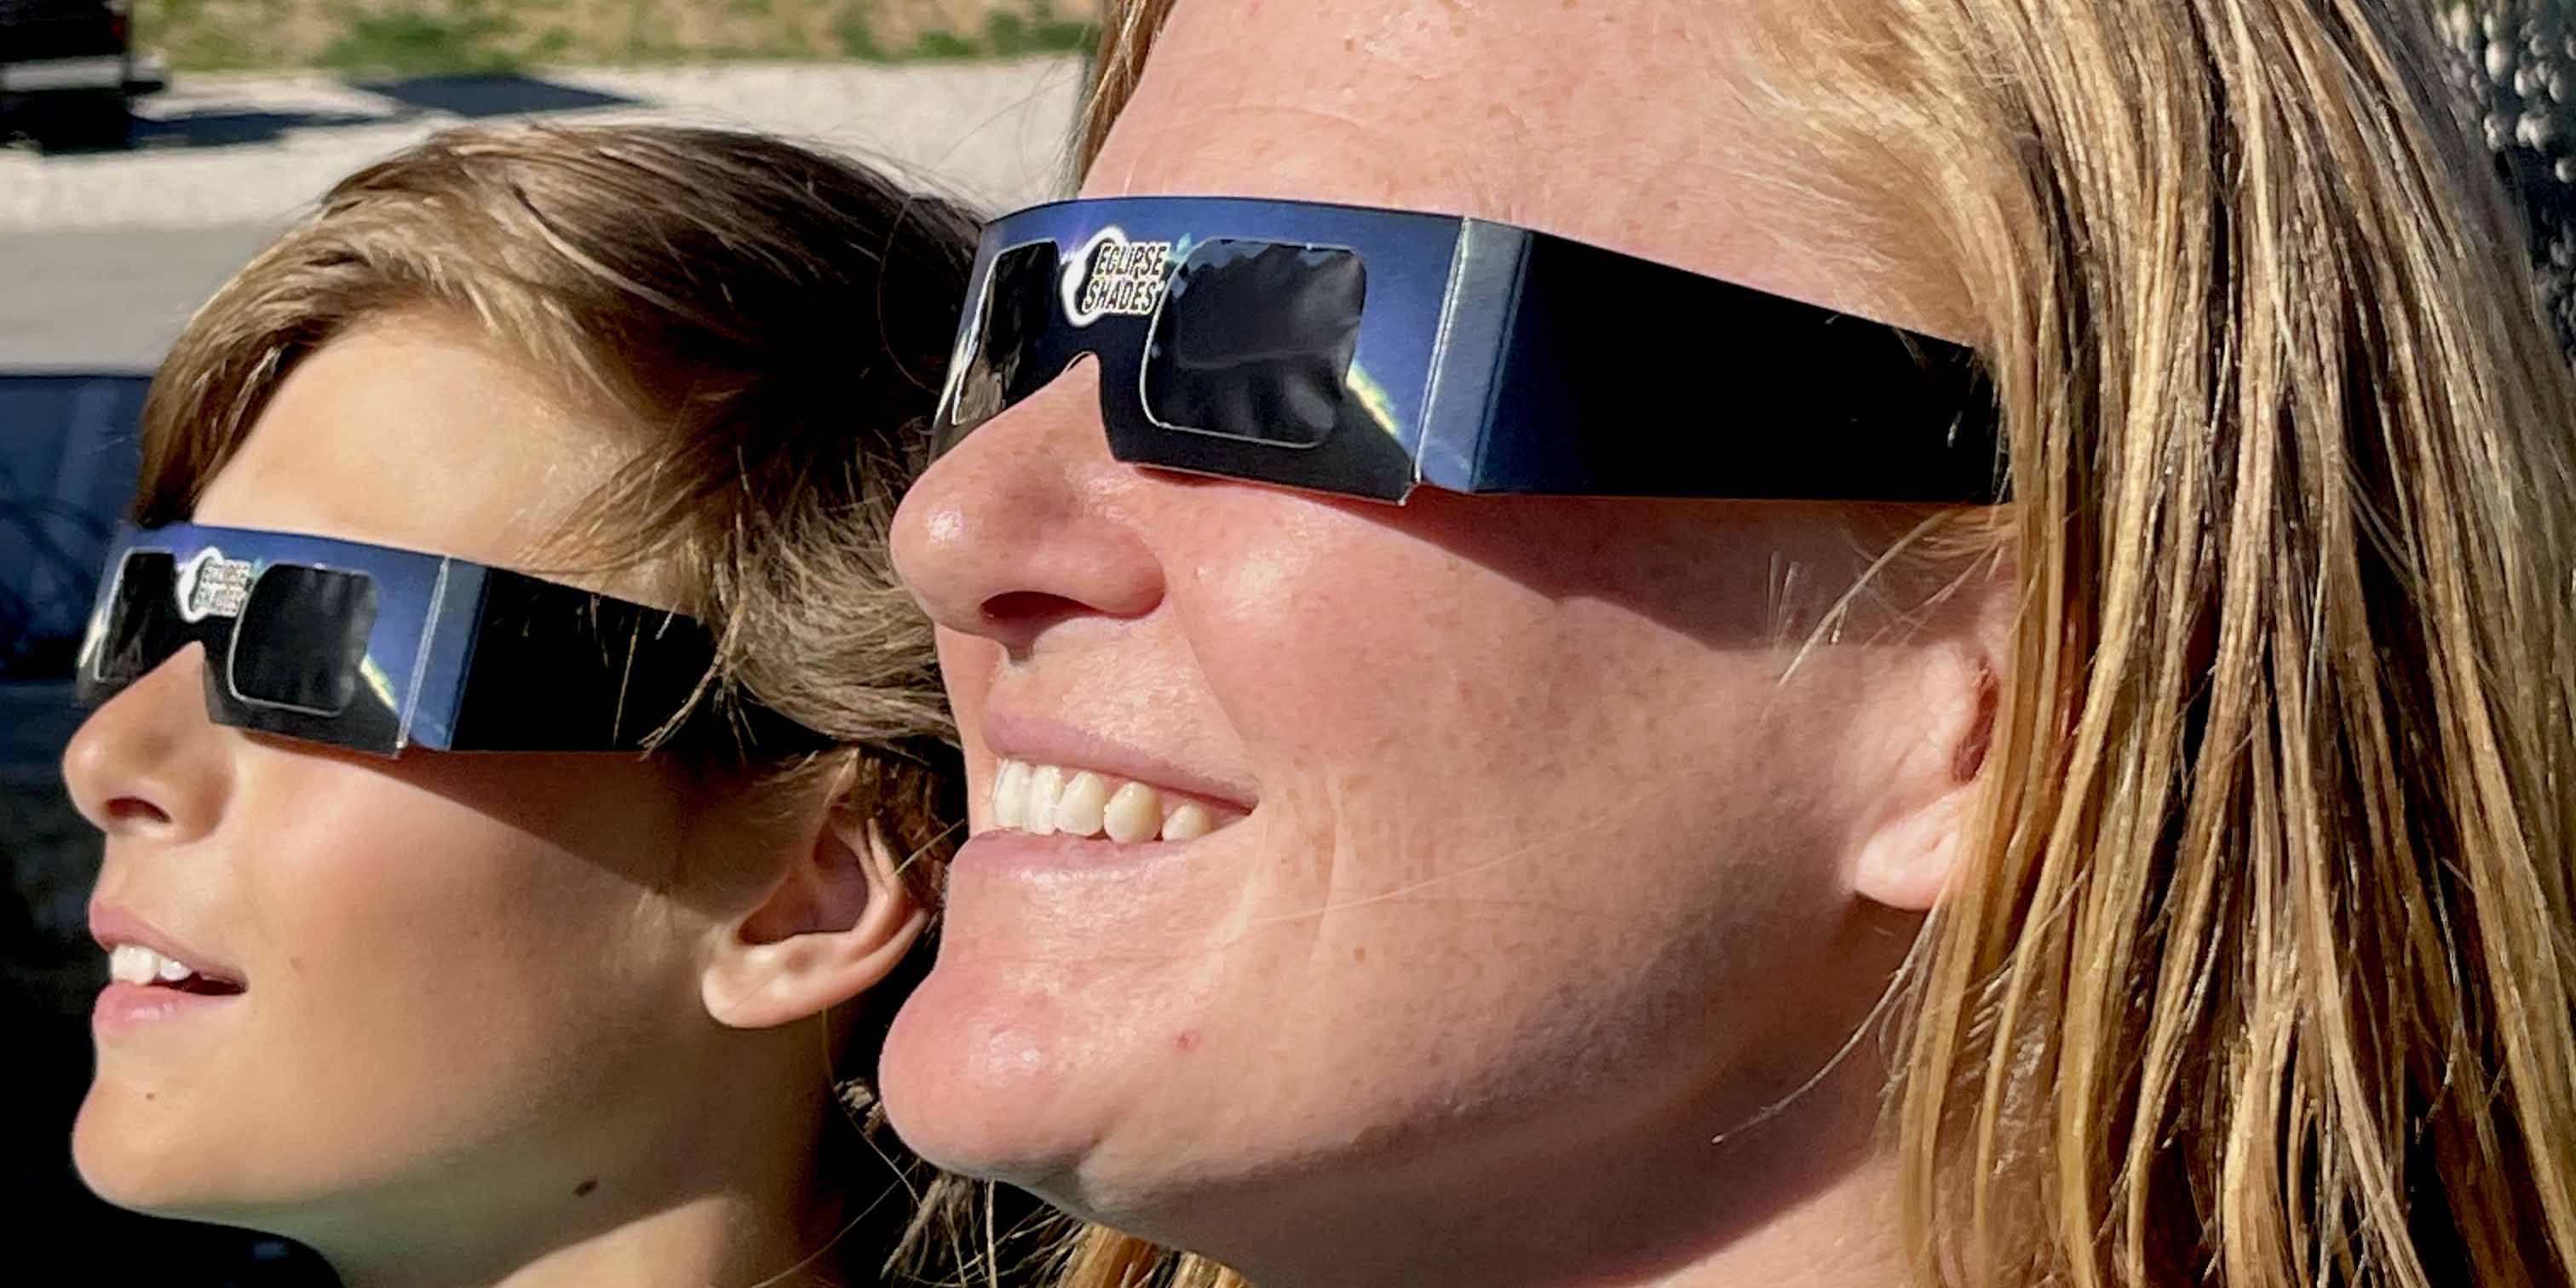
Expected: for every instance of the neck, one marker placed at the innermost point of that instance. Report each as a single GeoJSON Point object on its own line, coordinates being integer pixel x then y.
{"type": "Point", "coordinates": [718, 1240]}
{"type": "Point", "coordinates": [1806, 1199]}
{"type": "Point", "coordinates": [723, 1193]}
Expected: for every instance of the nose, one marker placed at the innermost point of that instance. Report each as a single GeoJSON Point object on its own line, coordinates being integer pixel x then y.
{"type": "Point", "coordinates": [1030, 522]}
{"type": "Point", "coordinates": [148, 764]}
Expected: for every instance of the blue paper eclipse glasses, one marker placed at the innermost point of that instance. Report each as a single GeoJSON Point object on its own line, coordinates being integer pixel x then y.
{"type": "Point", "coordinates": [1366, 352]}
{"type": "Point", "coordinates": [377, 649]}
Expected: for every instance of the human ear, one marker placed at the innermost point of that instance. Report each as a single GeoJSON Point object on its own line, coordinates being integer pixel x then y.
{"type": "Point", "coordinates": [834, 927]}
{"type": "Point", "coordinates": [1932, 787]}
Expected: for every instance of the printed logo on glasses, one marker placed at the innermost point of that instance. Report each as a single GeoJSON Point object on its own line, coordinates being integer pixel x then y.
{"type": "Point", "coordinates": [1112, 276]}
{"type": "Point", "coordinates": [213, 586]}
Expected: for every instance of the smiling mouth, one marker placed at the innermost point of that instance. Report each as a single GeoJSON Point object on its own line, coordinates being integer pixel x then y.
{"type": "Point", "coordinates": [1051, 800]}
{"type": "Point", "coordinates": [144, 967]}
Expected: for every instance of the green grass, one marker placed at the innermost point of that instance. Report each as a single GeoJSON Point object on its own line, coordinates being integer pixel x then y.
{"type": "Point", "coordinates": [444, 37]}
{"type": "Point", "coordinates": [201, 35]}
{"type": "Point", "coordinates": [858, 35]}
{"type": "Point", "coordinates": [1006, 34]}
{"type": "Point", "coordinates": [943, 44]}
{"type": "Point", "coordinates": [467, 41]}
{"type": "Point", "coordinates": [1009, 35]}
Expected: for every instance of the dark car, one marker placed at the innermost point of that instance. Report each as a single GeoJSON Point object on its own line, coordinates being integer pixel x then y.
{"type": "Point", "coordinates": [69, 73]}
{"type": "Point", "coordinates": [68, 461]}
{"type": "Point", "coordinates": [67, 464]}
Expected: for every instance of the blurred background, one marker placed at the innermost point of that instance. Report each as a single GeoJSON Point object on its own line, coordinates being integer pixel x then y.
{"type": "Point", "coordinates": [146, 150]}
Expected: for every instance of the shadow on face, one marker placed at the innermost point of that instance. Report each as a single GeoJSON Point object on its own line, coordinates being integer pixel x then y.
{"type": "Point", "coordinates": [466, 982]}
{"type": "Point", "coordinates": [1553, 820]}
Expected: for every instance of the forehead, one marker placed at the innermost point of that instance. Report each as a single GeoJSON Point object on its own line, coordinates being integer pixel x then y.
{"type": "Point", "coordinates": [1627, 123]}
{"type": "Point", "coordinates": [413, 431]}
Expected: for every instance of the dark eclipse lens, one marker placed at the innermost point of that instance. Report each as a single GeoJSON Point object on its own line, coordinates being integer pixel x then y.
{"type": "Point", "coordinates": [142, 629]}
{"type": "Point", "coordinates": [1018, 298]}
{"type": "Point", "coordinates": [1255, 339]}
{"type": "Point", "coordinates": [302, 639]}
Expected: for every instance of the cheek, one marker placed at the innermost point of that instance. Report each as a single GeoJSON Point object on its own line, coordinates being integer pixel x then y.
{"type": "Point", "coordinates": [1523, 841]}
{"type": "Point", "coordinates": [425, 910]}
{"type": "Point", "coordinates": [434, 984]}
{"type": "Point", "coordinates": [1423, 706]}
{"type": "Point", "coordinates": [494, 885]}
{"type": "Point", "coordinates": [1499, 809]}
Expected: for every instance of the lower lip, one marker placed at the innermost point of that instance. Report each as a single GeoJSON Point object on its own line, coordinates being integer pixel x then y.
{"type": "Point", "coordinates": [125, 1008]}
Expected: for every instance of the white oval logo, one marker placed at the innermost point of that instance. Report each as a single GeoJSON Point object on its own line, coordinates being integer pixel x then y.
{"type": "Point", "coordinates": [1111, 275]}
{"type": "Point", "coordinates": [212, 586]}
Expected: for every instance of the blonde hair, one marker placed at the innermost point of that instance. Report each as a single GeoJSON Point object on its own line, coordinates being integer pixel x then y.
{"type": "Point", "coordinates": [2261, 970]}
{"type": "Point", "coordinates": [770, 323]}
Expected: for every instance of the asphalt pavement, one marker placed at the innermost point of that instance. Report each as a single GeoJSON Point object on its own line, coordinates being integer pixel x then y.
{"type": "Point", "coordinates": [109, 300]}
{"type": "Point", "coordinates": [104, 256]}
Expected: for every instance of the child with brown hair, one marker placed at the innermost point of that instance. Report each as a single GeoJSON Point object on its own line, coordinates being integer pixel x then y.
{"type": "Point", "coordinates": [473, 916]}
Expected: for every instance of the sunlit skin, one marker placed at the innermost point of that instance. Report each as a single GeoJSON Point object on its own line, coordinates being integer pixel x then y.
{"type": "Point", "coordinates": [1571, 849]}
{"type": "Point", "coordinates": [526, 1018]}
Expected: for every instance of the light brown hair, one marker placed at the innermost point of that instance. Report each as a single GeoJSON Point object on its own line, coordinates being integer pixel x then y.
{"type": "Point", "coordinates": [2261, 970]}
{"type": "Point", "coordinates": [770, 323]}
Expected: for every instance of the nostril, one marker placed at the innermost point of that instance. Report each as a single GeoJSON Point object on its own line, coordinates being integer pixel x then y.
{"type": "Point", "coordinates": [1028, 608]}
{"type": "Point", "coordinates": [135, 809]}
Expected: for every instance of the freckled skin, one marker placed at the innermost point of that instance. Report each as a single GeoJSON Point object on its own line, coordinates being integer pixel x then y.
{"type": "Point", "coordinates": [1553, 867]}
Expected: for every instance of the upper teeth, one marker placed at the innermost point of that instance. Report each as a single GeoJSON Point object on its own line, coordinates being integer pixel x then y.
{"type": "Point", "coordinates": [136, 964]}
{"type": "Point", "coordinates": [1046, 799]}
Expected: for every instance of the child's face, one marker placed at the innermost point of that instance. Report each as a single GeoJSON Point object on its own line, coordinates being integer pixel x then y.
{"type": "Point", "coordinates": [467, 981]}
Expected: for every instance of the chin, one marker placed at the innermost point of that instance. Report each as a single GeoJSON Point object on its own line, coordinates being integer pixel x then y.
{"type": "Point", "coordinates": [990, 1085]}
{"type": "Point", "coordinates": [141, 1160]}
{"type": "Point", "coordinates": [1013, 1084]}
{"type": "Point", "coordinates": [189, 1161]}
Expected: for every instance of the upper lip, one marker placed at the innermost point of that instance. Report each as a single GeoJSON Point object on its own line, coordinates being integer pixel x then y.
{"type": "Point", "coordinates": [1049, 742]}
{"type": "Point", "coordinates": [111, 926]}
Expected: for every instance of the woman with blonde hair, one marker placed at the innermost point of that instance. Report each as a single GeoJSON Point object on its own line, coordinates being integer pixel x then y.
{"type": "Point", "coordinates": [1854, 642]}
{"type": "Point", "coordinates": [477, 912]}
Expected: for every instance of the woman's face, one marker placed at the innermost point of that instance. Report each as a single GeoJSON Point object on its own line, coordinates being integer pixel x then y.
{"type": "Point", "coordinates": [1539, 821]}
{"type": "Point", "coordinates": [468, 982]}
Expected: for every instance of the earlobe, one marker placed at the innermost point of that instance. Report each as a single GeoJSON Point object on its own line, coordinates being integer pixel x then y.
{"type": "Point", "coordinates": [836, 926]}
{"type": "Point", "coordinates": [1907, 866]}
{"type": "Point", "coordinates": [1907, 862]}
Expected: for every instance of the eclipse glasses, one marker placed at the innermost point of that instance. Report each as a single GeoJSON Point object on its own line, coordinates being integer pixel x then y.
{"type": "Point", "coordinates": [1369, 352]}
{"type": "Point", "coordinates": [377, 649]}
